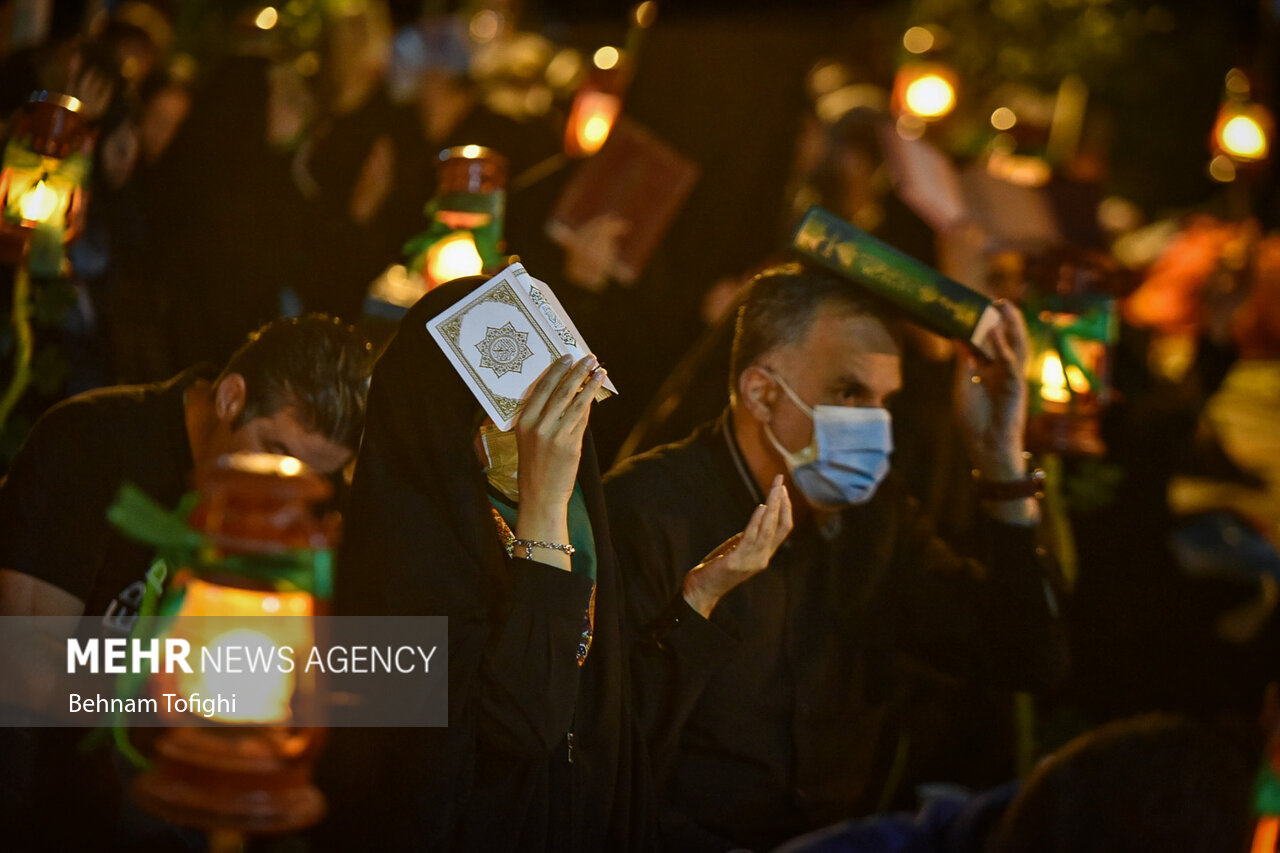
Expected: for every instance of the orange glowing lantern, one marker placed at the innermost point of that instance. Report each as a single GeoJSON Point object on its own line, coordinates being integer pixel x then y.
{"type": "Point", "coordinates": [44, 182]}
{"type": "Point", "coordinates": [598, 103]}
{"type": "Point", "coordinates": [242, 738]}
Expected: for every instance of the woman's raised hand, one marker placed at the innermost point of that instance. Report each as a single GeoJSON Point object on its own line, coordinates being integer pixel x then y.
{"type": "Point", "coordinates": [549, 430]}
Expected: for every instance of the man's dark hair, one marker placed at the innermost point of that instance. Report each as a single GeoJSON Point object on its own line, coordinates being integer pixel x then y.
{"type": "Point", "coordinates": [780, 305]}
{"type": "Point", "coordinates": [1155, 782]}
{"type": "Point", "coordinates": [317, 365]}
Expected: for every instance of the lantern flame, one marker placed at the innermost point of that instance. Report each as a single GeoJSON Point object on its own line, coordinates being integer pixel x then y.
{"type": "Point", "coordinates": [594, 132]}
{"type": "Point", "coordinates": [1076, 380]}
{"type": "Point", "coordinates": [242, 635]}
{"type": "Point", "coordinates": [453, 257]}
{"type": "Point", "coordinates": [1053, 381]}
{"type": "Point", "coordinates": [591, 122]}
{"type": "Point", "coordinates": [262, 696]}
{"type": "Point", "coordinates": [38, 202]}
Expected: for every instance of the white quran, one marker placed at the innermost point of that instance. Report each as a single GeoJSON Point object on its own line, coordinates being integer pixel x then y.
{"type": "Point", "coordinates": [502, 335]}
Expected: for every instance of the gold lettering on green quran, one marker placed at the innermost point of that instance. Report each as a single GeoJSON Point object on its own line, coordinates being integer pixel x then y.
{"type": "Point", "coordinates": [811, 237]}
{"type": "Point", "coordinates": [847, 253]}
{"type": "Point", "coordinates": [964, 313]}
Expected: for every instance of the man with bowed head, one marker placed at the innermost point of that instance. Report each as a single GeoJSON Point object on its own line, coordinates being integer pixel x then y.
{"type": "Point", "coordinates": [767, 675]}
{"type": "Point", "coordinates": [296, 387]}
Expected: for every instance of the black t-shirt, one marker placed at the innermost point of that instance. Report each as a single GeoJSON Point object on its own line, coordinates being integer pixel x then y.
{"type": "Point", "coordinates": [53, 503]}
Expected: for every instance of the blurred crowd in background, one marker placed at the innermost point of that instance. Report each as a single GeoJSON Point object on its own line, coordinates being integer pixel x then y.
{"type": "Point", "coordinates": [255, 161]}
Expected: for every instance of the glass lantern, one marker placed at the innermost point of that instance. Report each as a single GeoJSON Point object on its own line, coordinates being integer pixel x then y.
{"type": "Point", "coordinates": [44, 182]}
{"type": "Point", "coordinates": [1073, 324]}
{"type": "Point", "coordinates": [239, 742]}
{"type": "Point", "coordinates": [597, 104]}
{"type": "Point", "coordinates": [465, 237]}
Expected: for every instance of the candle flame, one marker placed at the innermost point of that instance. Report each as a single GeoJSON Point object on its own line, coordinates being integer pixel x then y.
{"type": "Point", "coordinates": [594, 132]}
{"type": "Point", "coordinates": [453, 257]}
{"type": "Point", "coordinates": [262, 696]}
{"type": "Point", "coordinates": [591, 121]}
{"type": "Point", "coordinates": [1076, 379]}
{"type": "Point", "coordinates": [238, 636]}
{"type": "Point", "coordinates": [38, 202]}
{"type": "Point", "coordinates": [1053, 381]}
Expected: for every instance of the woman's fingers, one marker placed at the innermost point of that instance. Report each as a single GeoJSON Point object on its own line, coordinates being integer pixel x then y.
{"type": "Point", "coordinates": [563, 394]}
{"type": "Point", "coordinates": [536, 399]}
{"type": "Point", "coordinates": [580, 407]}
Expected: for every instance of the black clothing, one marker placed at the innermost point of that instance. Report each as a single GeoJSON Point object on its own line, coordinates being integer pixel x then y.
{"type": "Point", "coordinates": [222, 214]}
{"type": "Point", "coordinates": [337, 257]}
{"type": "Point", "coordinates": [776, 716]}
{"type": "Point", "coordinates": [539, 753]}
{"type": "Point", "coordinates": [53, 503]}
{"type": "Point", "coordinates": [53, 526]}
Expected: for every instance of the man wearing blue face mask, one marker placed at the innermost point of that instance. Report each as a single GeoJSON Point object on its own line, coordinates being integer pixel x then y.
{"type": "Point", "coordinates": [771, 690]}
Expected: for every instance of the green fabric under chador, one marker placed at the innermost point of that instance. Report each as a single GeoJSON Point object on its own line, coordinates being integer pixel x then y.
{"type": "Point", "coordinates": [581, 537]}
{"type": "Point", "coordinates": [583, 559]}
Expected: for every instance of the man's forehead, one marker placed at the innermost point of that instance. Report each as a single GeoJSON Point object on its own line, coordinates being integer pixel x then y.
{"type": "Point", "coordinates": [300, 439]}
{"type": "Point", "coordinates": [844, 349]}
{"type": "Point", "coordinates": [835, 332]}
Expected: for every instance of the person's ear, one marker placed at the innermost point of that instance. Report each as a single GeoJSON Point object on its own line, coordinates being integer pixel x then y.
{"type": "Point", "coordinates": [229, 397]}
{"type": "Point", "coordinates": [758, 393]}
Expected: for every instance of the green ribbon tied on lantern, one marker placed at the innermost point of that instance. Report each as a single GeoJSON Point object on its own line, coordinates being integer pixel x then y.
{"type": "Point", "coordinates": [39, 190]}
{"type": "Point", "coordinates": [1266, 798]}
{"type": "Point", "coordinates": [1059, 324]}
{"type": "Point", "coordinates": [478, 214]}
{"type": "Point", "coordinates": [26, 168]}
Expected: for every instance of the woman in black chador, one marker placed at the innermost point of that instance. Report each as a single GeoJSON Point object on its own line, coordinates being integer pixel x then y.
{"type": "Point", "coordinates": [539, 753]}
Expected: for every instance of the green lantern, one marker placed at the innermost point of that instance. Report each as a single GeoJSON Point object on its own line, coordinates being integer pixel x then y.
{"type": "Point", "coordinates": [1072, 332]}
{"type": "Point", "coordinates": [465, 237]}
{"type": "Point", "coordinates": [44, 182]}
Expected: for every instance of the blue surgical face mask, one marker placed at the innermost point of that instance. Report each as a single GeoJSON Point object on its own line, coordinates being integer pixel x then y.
{"type": "Point", "coordinates": [848, 457]}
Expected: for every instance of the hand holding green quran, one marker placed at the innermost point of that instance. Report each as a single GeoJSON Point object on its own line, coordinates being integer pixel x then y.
{"type": "Point", "coordinates": [928, 297]}
{"type": "Point", "coordinates": [990, 394]}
